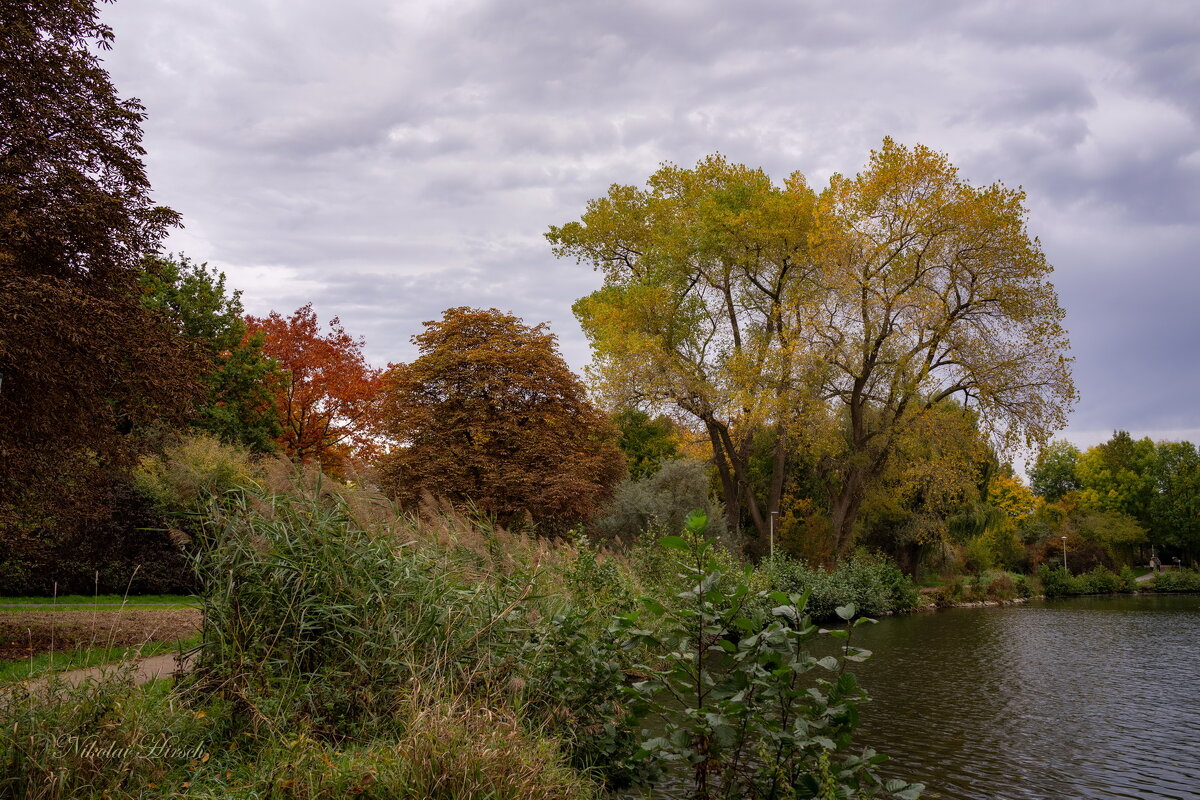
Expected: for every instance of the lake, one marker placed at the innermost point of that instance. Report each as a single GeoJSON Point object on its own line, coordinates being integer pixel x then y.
{"type": "Point", "coordinates": [1081, 698]}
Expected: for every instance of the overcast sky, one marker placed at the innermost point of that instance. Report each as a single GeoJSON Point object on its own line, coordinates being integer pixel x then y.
{"type": "Point", "coordinates": [388, 160]}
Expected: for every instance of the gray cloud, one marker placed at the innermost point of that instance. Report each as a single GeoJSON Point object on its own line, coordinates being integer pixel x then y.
{"type": "Point", "coordinates": [390, 160]}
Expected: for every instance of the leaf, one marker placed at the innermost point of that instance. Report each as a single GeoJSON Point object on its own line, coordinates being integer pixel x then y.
{"type": "Point", "coordinates": [846, 612]}
{"type": "Point", "coordinates": [696, 522]}
{"type": "Point", "coordinates": [829, 662]}
{"type": "Point", "coordinates": [674, 543]}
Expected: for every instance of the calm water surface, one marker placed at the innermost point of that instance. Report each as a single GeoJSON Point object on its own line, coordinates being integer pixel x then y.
{"type": "Point", "coordinates": [1084, 698]}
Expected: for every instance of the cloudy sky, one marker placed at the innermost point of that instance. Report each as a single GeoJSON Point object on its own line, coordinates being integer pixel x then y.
{"type": "Point", "coordinates": [388, 160]}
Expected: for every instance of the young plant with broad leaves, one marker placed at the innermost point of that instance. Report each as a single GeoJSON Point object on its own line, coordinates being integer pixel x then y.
{"type": "Point", "coordinates": [747, 711]}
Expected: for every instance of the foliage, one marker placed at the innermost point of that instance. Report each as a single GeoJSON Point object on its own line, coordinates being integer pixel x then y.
{"type": "Point", "coordinates": [1057, 582]}
{"type": "Point", "coordinates": [82, 363]}
{"type": "Point", "coordinates": [646, 442]}
{"type": "Point", "coordinates": [743, 714]}
{"type": "Point", "coordinates": [837, 320]}
{"type": "Point", "coordinates": [186, 476]}
{"type": "Point", "coordinates": [870, 582]}
{"type": "Point", "coordinates": [239, 395]}
{"type": "Point", "coordinates": [1187, 580]}
{"type": "Point", "coordinates": [662, 499]}
{"type": "Point", "coordinates": [328, 395]}
{"type": "Point", "coordinates": [1054, 474]}
{"type": "Point", "coordinates": [491, 414]}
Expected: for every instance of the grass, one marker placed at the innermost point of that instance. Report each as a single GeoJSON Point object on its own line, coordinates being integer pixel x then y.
{"type": "Point", "coordinates": [46, 663]}
{"type": "Point", "coordinates": [73, 601]}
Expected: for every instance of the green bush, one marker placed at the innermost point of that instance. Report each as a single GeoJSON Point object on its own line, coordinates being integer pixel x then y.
{"type": "Point", "coordinates": [661, 500]}
{"type": "Point", "coordinates": [188, 474]}
{"type": "Point", "coordinates": [1187, 580]}
{"type": "Point", "coordinates": [873, 583]}
{"type": "Point", "coordinates": [1056, 581]}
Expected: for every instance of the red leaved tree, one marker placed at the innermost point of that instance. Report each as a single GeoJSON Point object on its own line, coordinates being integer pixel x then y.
{"type": "Point", "coordinates": [328, 394]}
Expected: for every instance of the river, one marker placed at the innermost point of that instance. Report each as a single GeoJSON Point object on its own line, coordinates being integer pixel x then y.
{"type": "Point", "coordinates": [1081, 698]}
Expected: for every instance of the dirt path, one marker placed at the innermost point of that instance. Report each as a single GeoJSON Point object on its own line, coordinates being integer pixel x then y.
{"type": "Point", "coordinates": [146, 669]}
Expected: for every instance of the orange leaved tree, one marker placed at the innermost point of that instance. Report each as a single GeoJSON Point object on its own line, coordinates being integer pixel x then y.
{"type": "Point", "coordinates": [491, 414]}
{"type": "Point", "coordinates": [328, 393]}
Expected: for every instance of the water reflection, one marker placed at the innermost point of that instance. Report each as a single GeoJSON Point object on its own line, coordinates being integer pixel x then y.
{"type": "Point", "coordinates": [1093, 698]}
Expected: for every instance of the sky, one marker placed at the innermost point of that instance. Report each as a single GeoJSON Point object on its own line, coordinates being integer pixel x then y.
{"type": "Point", "coordinates": [389, 160]}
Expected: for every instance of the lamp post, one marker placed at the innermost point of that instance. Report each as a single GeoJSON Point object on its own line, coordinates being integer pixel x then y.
{"type": "Point", "coordinates": [1064, 554]}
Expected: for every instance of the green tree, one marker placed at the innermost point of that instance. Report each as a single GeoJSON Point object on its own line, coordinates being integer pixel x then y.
{"type": "Point", "coordinates": [837, 320]}
{"type": "Point", "coordinates": [1175, 507]}
{"type": "Point", "coordinates": [490, 414]}
{"type": "Point", "coordinates": [239, 395]}
{"type": "Point", "coordinates": [1118, 475]}
{"type": "Point", "coordinates": [646, 442]}
{"type": "Point", "coordinates": [1054, 472]}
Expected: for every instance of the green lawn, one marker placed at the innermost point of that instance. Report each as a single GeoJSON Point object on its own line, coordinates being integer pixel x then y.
{"type": "Point", "coordinates": [74, 601]}
{"type": "Point", "coordinates": [87, 657]}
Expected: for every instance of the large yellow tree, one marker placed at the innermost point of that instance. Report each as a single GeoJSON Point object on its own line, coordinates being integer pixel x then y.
{"type": "Point", "coordinates": [839, 320]}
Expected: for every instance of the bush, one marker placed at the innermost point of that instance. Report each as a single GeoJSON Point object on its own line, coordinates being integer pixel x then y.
{"type": "Point", "coordinates": [187, 475]}
{"type": "Point", "coordinates": [872, 582]}
{"type": "Point", "coordinates": [1056, 582]}
{"type": "Point", "coordinates": [1187, 580]}
{"type": "Point", "coordinates": [661, 501]}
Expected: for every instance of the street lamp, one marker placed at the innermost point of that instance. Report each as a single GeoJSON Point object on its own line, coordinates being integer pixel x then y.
{"type": "Point", "coordinates": [1064, 553]}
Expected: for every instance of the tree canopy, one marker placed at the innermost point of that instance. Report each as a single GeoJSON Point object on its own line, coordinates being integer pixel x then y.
{"type": "Point", "coordinates": [490, 414]}
{"type": "Point", "coordinates": [328, 394]}
{"type": "Point", "coordinates": [82, 362]}
{"type": "Point", "coordinates": [240, 382]}
{"type": "Point", "coordinates": [837, 319]}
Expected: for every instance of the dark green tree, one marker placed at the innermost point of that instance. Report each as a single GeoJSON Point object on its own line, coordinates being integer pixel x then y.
{"type": "Point", "coordinates": [239, 399]}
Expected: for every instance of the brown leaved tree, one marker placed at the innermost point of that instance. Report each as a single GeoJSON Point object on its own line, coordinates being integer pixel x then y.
{"type": "Point", "coordinates": [490, 414]}
{"type": "Point", "coordinates": [82, 362]}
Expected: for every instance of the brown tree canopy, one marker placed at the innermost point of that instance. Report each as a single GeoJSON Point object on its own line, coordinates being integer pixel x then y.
{"type": "Point", "coordinates": [327, 394]}
{"type": "Point", "coordinates": [491, 414]}
{"type": "Point", "coordinates": [81, 361]}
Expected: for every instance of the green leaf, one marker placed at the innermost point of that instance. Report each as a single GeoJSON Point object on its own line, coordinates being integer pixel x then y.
{"type": "Point", "coordinates": [846, 612]}
{"type": "Point", "coordinates": [829, 662]}
{"type": "Point", "coordinates": [674, 543]}
{"type": "Point", "coordinates": [696, 522]}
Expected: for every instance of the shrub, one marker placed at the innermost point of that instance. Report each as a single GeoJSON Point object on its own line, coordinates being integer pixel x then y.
{"type": "Point", "coordinates": [872, 582]}
{"type": "Point", "coordinates": [1056, 582]}
{"type": "Point", "coordinates": [188, 474]}
{"type": "Point", "coordinates": [1178, 581]}
{"type": "Point", "coordinates": [662, 500]}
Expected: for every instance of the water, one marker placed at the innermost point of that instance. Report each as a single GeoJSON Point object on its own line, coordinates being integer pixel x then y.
{"type": "Point", "coordinates": [1085, 698]}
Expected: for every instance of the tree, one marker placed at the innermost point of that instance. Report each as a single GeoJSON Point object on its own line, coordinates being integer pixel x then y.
{"type": "Point", "coordinates": [646, 442]}
{"type": "Point", "coordinates": [490, 414]}
{"type": "Point", "coordinates": [1054, 472]}
{"type": "Point", "coordinates": [82, 363]}
{"type": "Point", "coordinates": [239, 386]}
{"type": "Point", "coordinates": [1118, 476]}
{"type": "Point", "coordinates": [701, 270]}
{"type": "Point", "coordinates": [840, 319]}
{"type": "Point", "coordinates": [328, 396]}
